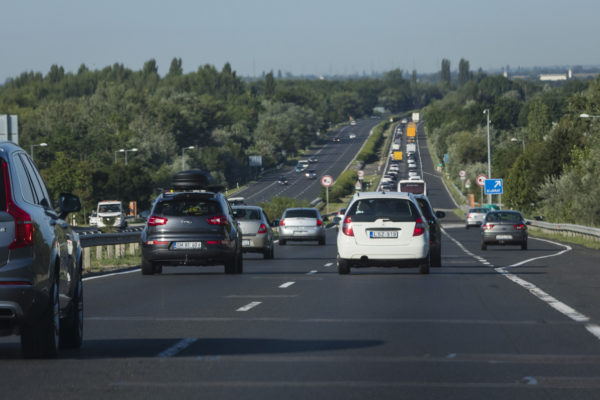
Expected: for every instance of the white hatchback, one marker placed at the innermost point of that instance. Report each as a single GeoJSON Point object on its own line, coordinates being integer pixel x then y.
{"type": "Point", "coordinates": [383, 230]}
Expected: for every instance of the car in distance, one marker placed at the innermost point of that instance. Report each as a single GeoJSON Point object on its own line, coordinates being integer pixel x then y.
{"type": "Point", "coordinates": [304, 224]}
{"type": "Point", "coordinates": [311, 174]}
{"type": "Point", "coordinates": [435, 230]}
{"type": "Point", "coordinates": [282, 180]}
{"type": "Point", "coordinates": [336, 139]}
{"type": "Point", "coordinates": [257, 235]}
{"type": "Point", "coordinates": [40, 261]}
{"type": "Point", "coordinates": [502, 228]}
{"type": "Point", "coordinates": [352, 136]}
{"type": "Point", "coordinates": [190, 225]}
{"type": "Point", "coordinates": [475, 216]}
{"type": "Point", "coordinates": [386, 229]}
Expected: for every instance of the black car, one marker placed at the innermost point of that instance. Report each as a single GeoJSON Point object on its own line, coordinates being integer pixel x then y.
{"type": "Point", "coordinates": [191, 225]}
{"type": "Point", "coordinates": [435, 231]}
{"type": "Point", "coordinates": [40, 261]}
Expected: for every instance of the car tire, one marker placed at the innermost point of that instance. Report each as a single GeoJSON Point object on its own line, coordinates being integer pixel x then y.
{"type": "Point", "coordinates": [524, 245]}
{"type": "Point", "coordinates": [147, 267]}
{"type": "Point", "coordinates": [436, 261]}
{"type": "Point", "coordinates": [282, 242]}
{"type": "Point", "coordinates": [71, 327]}
{"type": "Point", "coordinates": [483, 246]}
{"type": "Point", "coordinates": [322, 242]}
{"type": "Point", "coordinates": [343, 266]}
{"type": "Point", "coordinates": [425, 265]}
{"type": "Point", "coordinates": [466, 226]}
{"type": "Point", "coordinates": [40, 340]}
{"type": "Point", "coordinates": [158, 268]}
{"type": "Point", "coordinates": [269, 253]}
{"type": "Point", "coordinates": [230, 265]}
{"type": "Point", "coordinates": [239, 263]}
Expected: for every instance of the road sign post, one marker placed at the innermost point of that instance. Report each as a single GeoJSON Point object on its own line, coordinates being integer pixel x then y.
{"type": "Point", "coordinates": [326, 181]}
{"type": "Point", "coordinates": [481, 183]}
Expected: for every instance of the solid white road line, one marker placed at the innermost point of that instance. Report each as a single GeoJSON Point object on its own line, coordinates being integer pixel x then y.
{"type": "Point", "coordinates": [89, 278]}
{"type": "Point", "coordinates": [286, 285]}
{"type": "Point", "coordinates": [249, 306]}
{"type": "Point", "coordinates": [328, 265]}
{"type": "Point", "coordinates": [311, 272]}
{"type": "Point", "coordinates": [177, 348]}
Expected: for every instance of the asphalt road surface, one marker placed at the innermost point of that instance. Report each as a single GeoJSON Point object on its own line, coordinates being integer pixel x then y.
{"type": "Point", "coordinates": [496, 324]}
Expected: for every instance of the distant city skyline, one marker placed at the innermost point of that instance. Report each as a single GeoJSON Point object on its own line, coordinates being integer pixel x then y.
{"type": "Point", "coordinates": [302, 38]}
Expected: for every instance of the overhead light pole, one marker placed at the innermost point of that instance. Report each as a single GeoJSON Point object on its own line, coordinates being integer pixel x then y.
{"type": "Point", "coordinates": [487, 112]}
{"type": "Point", "coordinates": [36, 145]}
{"type": "Point", "coordinates": [118, 151]}
{"type": "Point", "coordinates": [182, 155]}
{"type": "Point", "coordinates": [589, 116]}
{"type": "Point", "coordinates": [127, 151]}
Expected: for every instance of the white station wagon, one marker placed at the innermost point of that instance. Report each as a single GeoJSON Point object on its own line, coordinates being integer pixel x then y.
{"type": "Point", "coordinates": [383, 230]}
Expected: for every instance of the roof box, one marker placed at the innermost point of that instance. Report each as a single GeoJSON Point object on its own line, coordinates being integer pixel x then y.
{"type": "Point", "coordinates": [193, 179]}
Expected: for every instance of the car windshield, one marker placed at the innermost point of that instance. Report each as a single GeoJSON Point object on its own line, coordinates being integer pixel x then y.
{"type": "Point", "coordinates": [301, 214]}
{"type": "Point", "coordinates": [187, 207]}
{"type": "Point", "coordinates": [369, 210]}
{"type": "Point", "coordinates": [106, 208]}
{"type": "Point", "coordinates": [503, 217]}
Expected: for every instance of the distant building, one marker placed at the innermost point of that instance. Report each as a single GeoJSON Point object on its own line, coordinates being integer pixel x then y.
{"type": "Point", "coordinates": [557, 77]}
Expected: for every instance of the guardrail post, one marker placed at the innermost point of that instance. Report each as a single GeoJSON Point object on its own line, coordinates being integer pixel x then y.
{"type": "Point", "coordinates": [87, 258]}
{"type": "Point", "coordinates": [132, 249]}
{"type": "Point", "coordinates": [99, 252]}
{"type": "Point", "coordinates": [110, 251]}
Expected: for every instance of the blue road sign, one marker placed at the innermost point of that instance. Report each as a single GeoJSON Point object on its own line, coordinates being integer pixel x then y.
{"type": "Point", "coordinates": [493, 186]}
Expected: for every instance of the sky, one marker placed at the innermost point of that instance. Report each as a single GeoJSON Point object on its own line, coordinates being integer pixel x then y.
{"type": "Point", "coordinates": [306, 37]}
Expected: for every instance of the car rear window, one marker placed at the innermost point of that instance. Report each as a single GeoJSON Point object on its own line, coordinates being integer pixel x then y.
{"type": "Point", "coordinates": [503, 217]}
{"type": "Point", "coordinates": [187, 207]}
{"type": "Point", "coordinates": [478, 210]}
{"type": "Point", "coordinates": [248, 215]}
{"type": "Point", "coordinates": [369, 210]}
{"type": "Point", "coordinates": [300, 214]}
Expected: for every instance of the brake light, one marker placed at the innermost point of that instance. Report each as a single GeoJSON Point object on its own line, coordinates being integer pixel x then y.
{"type": "Point", "coordinates": [347, 227]}
{"type": "Point", "coordinates": [214, 242]}
{"type": "Point", "coordinates": [519, 227]}
{"type": "Point", "coordinates": [282, 222]}
{"type": "Point", "coordinates": [319, 222]}
{"type": "Point", "coordinates": [217, 220]}
{"type": "Point", "coordinates": [487, 227]}
{"type": "Point", "coordinates": [154, 221]}
{"type": "Point", "coordinates": [419, 227]}
{"type": "Point", "coordinates": [23, 223]}
{"type": "Point", "coordinates": [262, 228]}
{"type": "Point", "coordinates": [154, 242]}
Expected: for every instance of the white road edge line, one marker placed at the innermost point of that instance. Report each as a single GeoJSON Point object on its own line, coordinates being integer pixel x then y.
{"type": "Point", "coordinates": [559, 306]}
{"type": "Point", "coordinates": [249, 306]}
{"type": "Point", "coordinates": [328, 265]}
{"type": "Point", "coordinates": [177, 348]}
{"type": "Point", "coordinates": [311, 272]}
{"type": "Point", "coordinates": [286, 285]}
{"type": "Point", "coordinates": [89, 278]}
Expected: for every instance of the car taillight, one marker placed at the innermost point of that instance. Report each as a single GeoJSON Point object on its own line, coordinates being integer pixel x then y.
{"type": "Point", "coordinates": [319, 222]}
{"type": "Point", "coordinates": [347, 227]}
{"type": "Point", "coordinates": [519, 227]}
{"type": "Point", "coordinates": [23, 223]}
{"type": "Point", "coordinates": [262, 228]}
{"type": "Point", "coordinates": [217, 220]}
{"type": "Point", "coordinates": [154, 221]}
{"type": "Point", "coordinates": [282, 222]}
{"type": "Point", "coordinates": [487, 227]}
{"type": "Point", "coordinates": [469, 216]}
{"type": "Point", "coordinates": [156, 242]}
{"type": "Point", "coordinates": [419, 227]}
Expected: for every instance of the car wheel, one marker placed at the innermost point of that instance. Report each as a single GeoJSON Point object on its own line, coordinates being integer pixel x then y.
{"type": "Point", "coordinates": [424, 265]}
{"type": "Point", "coordinates": [343, 266]}
{"type": "Point", "coordinates": [269, 253]}
{"type": "Point", "coordinates": [147, 267]}
{"type": "Point", "coordinates": [466, 226]}
{"type": "Point", "coordinates": [436, 261]}
{"type": "Point", "coordinates": [71, 328]}
{"type": "Point", "coordinates": [322, 242]}
{"type": "Point", "coordinates": [282, 242]}
{"type": "Point", "coordinates": [239, 264]}
{"type": "Point", "coordinates": [524, 245]}
{"type": "Point", "coordinates": [40, 340]}
{"type": "Point", "coordinates": [483, 246]}
{"type": "Point", "coordinates": [157, 268]}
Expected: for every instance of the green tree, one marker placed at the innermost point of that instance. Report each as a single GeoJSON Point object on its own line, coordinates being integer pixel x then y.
{"type": "Point", "coordinates": [463, 72]}
{"type": "Point", "coordinates": [445, 73]}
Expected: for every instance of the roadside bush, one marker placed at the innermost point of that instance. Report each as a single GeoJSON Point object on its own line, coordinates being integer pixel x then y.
{"type": "Point", "coordinates": [369, 151]}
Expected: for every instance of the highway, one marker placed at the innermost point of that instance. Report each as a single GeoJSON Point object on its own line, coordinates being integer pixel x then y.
{"type": "Point", "coordinates": [496, 324]}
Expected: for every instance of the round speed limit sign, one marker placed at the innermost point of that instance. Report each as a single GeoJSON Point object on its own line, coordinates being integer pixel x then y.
{"type": "Point", "coordinates": [326, 181]}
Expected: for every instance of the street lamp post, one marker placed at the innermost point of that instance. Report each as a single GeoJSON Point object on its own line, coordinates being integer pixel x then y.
{"type": "Point", "coordinates": [118, 151]}
{"type": "Point", "coordinates": [515, 140]}
{"type": "Point", "coordinates": [36, 145]}
{"type": "Point", "coordinates": [182, 155]}
{"type": "Point", "coordinates": [127, 151]}
{"type": "Point", "coordinates": [589, 116]}
{"type": "Point", "coordinates": [487, 112]}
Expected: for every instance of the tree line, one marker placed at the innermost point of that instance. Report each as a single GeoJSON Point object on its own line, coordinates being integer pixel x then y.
{"type": "Point", "coordinates": [208, 119]}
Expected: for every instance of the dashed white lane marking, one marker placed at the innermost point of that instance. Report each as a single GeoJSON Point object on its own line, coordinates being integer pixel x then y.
{"type": "Point", "coordinates": [328, 265]}
{"type": "Point", "coordinates": [89, 278]}
{"type": "Point", "coordinates": [534, 290]}
{"type": "Point", "coordinates": [249, 306]}
{"type": "Point", "coordinates": [311, 272]}
{"type": "Point", "coordinates": [286, 285]}
{"type": "Point", "coordinates": [177, 348]}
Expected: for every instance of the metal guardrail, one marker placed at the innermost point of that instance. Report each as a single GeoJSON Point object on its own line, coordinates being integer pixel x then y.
{"type": "Point", "coordinates": [91, 238]}
{"type": "Point", "coordinates": [568, 229]}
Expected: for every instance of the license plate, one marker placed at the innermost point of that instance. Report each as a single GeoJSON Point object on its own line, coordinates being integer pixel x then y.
{"type": "Point", "coordinates": [187, 245]}
{"type": "Point", "coordinates": [246, 243]}
{"type": "Point", "coordinates": [300, 232]}
{"type": "Point", "coordinates": [504, 237]}
{"type": "Point", "coordinates": [383, 234]}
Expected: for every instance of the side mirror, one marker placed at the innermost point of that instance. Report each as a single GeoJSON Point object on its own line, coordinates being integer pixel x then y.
{"type": "Point", "coordinates": [275, 223]}
{"type": "Point", "coordinates": [325, 219]}
{"type": "Point", "coordinates": [68, 203]}
{"type": "Point", "coordinates": [236, 213]}
{"type": "Point", "coordinates": [527, 222]}
{"type": "Point", "coordinates": [336, 220]}
{"type": "Point", "coordinates": [440, 214]}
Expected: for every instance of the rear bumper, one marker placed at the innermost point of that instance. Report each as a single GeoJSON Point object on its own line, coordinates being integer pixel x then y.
{"type": "Point", "coordinates": [492, 238]}
{"type": "Point", "coordinates": [377, 255]}
{"type": "Point", "coordinates": [209, 255]}
{"type": "Point", "coordinates": [301, 233]}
